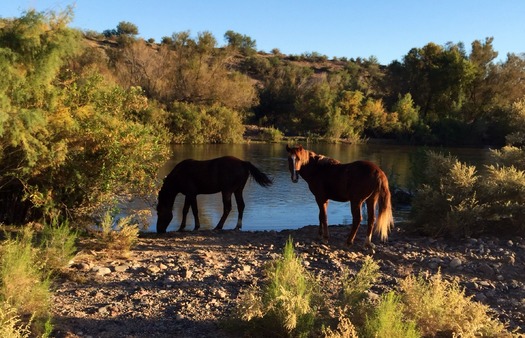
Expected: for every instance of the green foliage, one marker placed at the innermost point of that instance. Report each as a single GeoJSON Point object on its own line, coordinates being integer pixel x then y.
{"type": "Point", "coordinates": [24, 284]}
{"type": "Point", "coordinates": [57, 245]}
{"type": "Point", "coordinates": [387, 320]}
{"type": "Point", "coordinates": [11, 324]}
{"type": "Point", "coordinates": [469, 203]}
{"type": "Point", "coordinates": [120, 235]}
{"type": "Point", "coordinates": [285, 305]}
{"type": "Point", "coordinates": [355, 288]}
{"type": "Point", "coordinates": [272, 134]}
{"type": "Point", "coordinates": [440, 306]}
{"type": "Point", "coordinates": [197, 124]}
{"type": "Point", "coordinates": [70, 142]}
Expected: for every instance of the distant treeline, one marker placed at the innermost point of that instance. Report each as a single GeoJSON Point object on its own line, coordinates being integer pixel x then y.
{"type": "Point", "coordinates": [437, 94]}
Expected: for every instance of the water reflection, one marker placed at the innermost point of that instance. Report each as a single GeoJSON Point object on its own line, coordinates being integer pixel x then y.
{"type": "Point", "coordinates": [286, 205]}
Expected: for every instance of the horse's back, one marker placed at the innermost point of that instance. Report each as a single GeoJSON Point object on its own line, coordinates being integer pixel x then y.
{"type": "Point", "coordinates": [210, 176]}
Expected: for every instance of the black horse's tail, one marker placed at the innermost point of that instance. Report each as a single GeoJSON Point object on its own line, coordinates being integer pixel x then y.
{"type": "Point", "coordinates": [261, 178]}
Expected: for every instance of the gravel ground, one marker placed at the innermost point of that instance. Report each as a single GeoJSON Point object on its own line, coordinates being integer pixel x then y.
{"type": "Point", "coordinates": [186, 284]}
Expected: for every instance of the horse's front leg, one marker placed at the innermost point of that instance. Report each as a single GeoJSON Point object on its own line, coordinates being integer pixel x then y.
{"type": "Point", "coordinates": [323, 219]}
{"type": "Point", "coordinates": [195, 211]}
{"type": "Point", "coordinates": [240, 208]}
{"type": "Point", "coordinates": [355, 207]}
{"type": "Point", "coordinates": [227, 207]}
{"type": "Point", "coordinates": [185, 209]}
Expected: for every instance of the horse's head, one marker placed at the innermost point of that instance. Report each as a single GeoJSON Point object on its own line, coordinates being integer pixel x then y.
{"type": "Point", "coordinates": [165, 208]}
{"type": "Point", "coordinates": [297, 156]}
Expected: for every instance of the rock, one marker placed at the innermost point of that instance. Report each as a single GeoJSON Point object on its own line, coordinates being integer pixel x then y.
{"type": "Point", "coordinates": [101, 271]}
{"type": "Point", "coordinates": [485, 269]}
{"type": "Point", "coordinates": [153, 268]}
{"type": "Point", "coordinates": [455, 263]}
{"type": "Point", "coordinates": [121, 268]}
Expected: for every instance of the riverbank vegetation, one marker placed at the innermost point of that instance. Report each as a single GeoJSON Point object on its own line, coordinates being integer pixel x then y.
{"type": "Point", "coordinates": [290, 304]}
{"type": "Point", "coordinates": [86, 120]}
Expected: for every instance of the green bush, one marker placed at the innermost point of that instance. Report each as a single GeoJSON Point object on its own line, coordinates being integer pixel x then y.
{"type": "Point", "coordinates": [71, 142]}
{"type": "Point", "coordinates": [11, 324]}
{"type": "Point", "coordinates": [57, 245]}
{"type": "Point", "coordinates": [24, 284]}
{"type": "Point", "coordinates": [285, 305]}
{"type": "Point", "coordinates": [468, 203]}
{"type": "Point", "coordinates": [195, 124]}
{"type": "Point", "coordinates": [119, 235]}
{"type": "Point", "coordinates": [388, 320]}
{"type": "Point", "coordinates": [439, 306]}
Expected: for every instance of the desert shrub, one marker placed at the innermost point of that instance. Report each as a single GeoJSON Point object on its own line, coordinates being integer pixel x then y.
{"type": "Point", "coordinates": [388, 320]}
{"type": "Point", "coordinates": [11, 324]}
{"type": "Point", "coordinates": [57, 245]}
{"type": "Point", "coordinates": [195, 124]}
{"type": "Point", "coordinates": [468, 203]}
{"type": "Point", "coordinates": [439, 306]}
{"type": "Point", "coordinates": [70, 142]}
{"type": "Point", "coordinates": [285, 305]}
{"type": "Point", "coordinates": [448, 190]}
{"type": "Point", "coordinates": [272, 134]}
{"type": "Point", "coordinates": [119, 235]}
{"type": "Point", "coordinates": [354, 288]}
{"type": "Point", "coordinates": [345, 329]}
{"type": "Point", "coordinates": [24, 284]}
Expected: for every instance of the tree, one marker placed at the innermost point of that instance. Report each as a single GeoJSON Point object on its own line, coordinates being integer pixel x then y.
{"type": "Point", "coordinates": [243, 43]}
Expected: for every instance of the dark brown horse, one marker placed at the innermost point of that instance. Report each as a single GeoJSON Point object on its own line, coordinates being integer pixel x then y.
{"type": "Point", "coordinates": [357, 182]}
{"type": "Point", "coordinates": [227, 175]}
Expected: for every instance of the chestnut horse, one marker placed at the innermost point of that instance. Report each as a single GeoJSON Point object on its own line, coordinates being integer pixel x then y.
{"type": "Point", "coordinates": [357, 182]}
{"type": "Point", "coordinates": [227, 175]}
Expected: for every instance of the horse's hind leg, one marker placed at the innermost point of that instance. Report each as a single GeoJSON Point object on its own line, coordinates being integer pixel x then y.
{"type": "Point", "coordinates": [240, 207]}
{"type": "Point", "coordinates": [323, 219]}
{"type": "Point", "coordinates": [356, 221]}
{"type": "Point", "coordinates": [227, 207]}
{"type": "Point", "coordinates": [371, 211]}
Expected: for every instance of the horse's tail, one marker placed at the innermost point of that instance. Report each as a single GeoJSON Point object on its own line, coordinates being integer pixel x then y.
{"type": "Point", "coordinates": [261, 178]}
{"type": "Point", "coordinates": [385, 219]}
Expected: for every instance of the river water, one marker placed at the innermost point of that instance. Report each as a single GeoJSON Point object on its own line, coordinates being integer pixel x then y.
{"type": "Point", "coordinates": [286, 205]}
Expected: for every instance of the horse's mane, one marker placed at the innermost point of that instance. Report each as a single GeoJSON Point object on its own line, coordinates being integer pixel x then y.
{"type": "Point", "coordinates": [319, 159]}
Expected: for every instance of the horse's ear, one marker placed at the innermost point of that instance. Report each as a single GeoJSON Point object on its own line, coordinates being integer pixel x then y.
{"type": "Point", "coordinates": [288, 148]}
{"type": "Point", "coordinates": [300, 147]}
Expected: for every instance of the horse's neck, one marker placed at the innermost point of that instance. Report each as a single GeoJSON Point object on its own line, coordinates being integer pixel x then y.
{"type": "Point", "coordinates": [315, 164]}
{"type": "Point", "coordinates": [311, 166]}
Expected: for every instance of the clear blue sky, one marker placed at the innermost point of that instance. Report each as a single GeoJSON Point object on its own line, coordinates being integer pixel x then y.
{"type": "Point", "coordinates": [386, 29]}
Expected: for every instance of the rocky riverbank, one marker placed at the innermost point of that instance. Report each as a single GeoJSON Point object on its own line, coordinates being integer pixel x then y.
{"type": "Point", "coordinates": [186, 284]}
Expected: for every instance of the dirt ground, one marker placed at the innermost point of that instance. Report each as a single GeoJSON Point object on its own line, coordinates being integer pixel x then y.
{"type": "Point", "coordinates": [187, 284]}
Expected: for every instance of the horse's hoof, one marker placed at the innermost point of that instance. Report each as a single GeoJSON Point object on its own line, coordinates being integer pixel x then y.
{"type": "Point", "coordinates": [237, 229]}
{"type": "Point", "coordinates": [370, 248]}
{"type": "Point", "coordinates": [180, 230]}
{"type": "Point", "coordinates": [217, 229]}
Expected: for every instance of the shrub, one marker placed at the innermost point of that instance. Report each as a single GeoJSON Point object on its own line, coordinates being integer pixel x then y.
{"type": "Point", "coordinates": [272, 134]}
{"type": "Point", "coordinates": [285, 305]}
{"type": "Point", "coordinates": [195, 124]}
{"type": "Point", "coordinates": [345, 329]}
{"type": "Point", "coordinates": [438, 306]}
{"type": "Point", "coordinates": [11, 324]}
{"type": "Point", "coordinates": [468, 203]}
{"type": "Point", "coordinates": [23, 282]}
{"type": "Point", "coordinates": [355, 288]}
{"type": "Point", "coordinates": [118, 235]}
{"type": "Point", "coordinates": [57, 245]}
{"type": "Point", "coordinates": [387, 320]}
{"type": "Point", "coordinates": [448, 189]}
